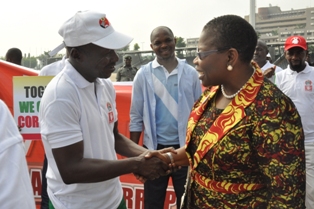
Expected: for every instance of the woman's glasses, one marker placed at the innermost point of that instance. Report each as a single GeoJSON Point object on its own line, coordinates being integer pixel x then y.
{"type": "Point", "coordinates": [202, 55]}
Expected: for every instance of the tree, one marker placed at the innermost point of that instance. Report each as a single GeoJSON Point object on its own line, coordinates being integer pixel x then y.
{"type": "Point", "coordinates": [136, 47]}
{"type": "Point", "coordinates": [43, 58]}
{"type": "Point", "coordinates": [310, 48]}
{"type": "Point", "coordinates": [180, 42]}
{"type": "Point", "coordinates": [29, 61]}
{"type": "Point", "coordinates": [127, 48]}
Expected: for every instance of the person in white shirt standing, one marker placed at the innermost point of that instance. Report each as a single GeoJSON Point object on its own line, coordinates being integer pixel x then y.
{"type": "Point", "coordinates": [297, 82]}
{"type": "Point", "coordinates": [260, 57]}
{"type": "Point", "coordinates": [16, 189]}
{"type": "Point", "coordinates": [79, 121]}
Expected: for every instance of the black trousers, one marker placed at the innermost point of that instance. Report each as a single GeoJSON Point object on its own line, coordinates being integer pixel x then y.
{"type": "Point", "coordinates": [155, 190]}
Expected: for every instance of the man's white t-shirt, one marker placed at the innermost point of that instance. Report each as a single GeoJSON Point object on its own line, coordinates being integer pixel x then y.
{"type": "Point", "coordinates": [71, 112]}
{"type": "Point", "coordinates": [299, 87]}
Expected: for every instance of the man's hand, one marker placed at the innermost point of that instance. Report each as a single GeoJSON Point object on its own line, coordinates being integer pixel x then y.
{"type": "Point", "coordinates": [152, 167]}
{"type": "Point", "coordinates": [270, 72]}
{"type": "Point", "coordinates": [162, 156]}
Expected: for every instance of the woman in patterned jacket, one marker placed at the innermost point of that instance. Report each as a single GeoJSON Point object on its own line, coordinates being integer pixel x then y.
{"type": "Point", "coordinates": [245, 142]}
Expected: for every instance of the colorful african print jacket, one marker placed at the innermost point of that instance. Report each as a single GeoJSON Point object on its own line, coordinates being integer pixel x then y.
{"type": "Point", "coordinates": [249, 155]}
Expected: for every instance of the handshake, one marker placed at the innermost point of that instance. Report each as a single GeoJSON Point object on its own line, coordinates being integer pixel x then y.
{"type": "Point", "coordinates": [155, 163]}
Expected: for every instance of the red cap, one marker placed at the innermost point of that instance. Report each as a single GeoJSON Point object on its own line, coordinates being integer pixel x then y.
{"type": "Point", "coordinates": [295, 41]}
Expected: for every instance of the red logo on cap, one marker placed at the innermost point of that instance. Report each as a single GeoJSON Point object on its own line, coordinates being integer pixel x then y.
{"type": "Point", "coordinates": [104, 22]}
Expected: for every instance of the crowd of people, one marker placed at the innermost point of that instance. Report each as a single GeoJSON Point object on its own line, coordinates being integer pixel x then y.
{"type": "Point", "coordinates": [246, 141]}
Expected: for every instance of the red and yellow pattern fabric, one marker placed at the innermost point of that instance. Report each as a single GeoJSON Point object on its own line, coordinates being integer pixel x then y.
{"type": "Point", "coordinates": [249, 155]}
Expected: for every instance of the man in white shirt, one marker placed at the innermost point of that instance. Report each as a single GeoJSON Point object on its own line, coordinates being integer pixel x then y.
{"type": "Point", "coordinates": [260, 57]}
{"type": "Point", "coordinates": [16, 189]}
{"type": "Point", "coordinates": [79, 125]}
{"type": "Point", "coordinates": [296, 81]}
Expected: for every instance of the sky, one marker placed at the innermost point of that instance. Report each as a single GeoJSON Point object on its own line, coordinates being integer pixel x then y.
{"type": "Point", "coordinates": [32, 25]}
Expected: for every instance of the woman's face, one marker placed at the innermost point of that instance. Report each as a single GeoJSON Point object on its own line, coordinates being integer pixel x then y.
{"type": "Point", "coordinates": [210, 65]}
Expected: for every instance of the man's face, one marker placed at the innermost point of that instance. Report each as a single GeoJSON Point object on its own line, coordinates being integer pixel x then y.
{"type": "Point", "coordinates": [296, 58]}
{"type": "Point", "coordinates": [96, 62]}
{"type": "Point", "coordinates": [163, 44]}
{"type": "Point", "coordinates": [128, 62]}
{"type": "Point", "coordinates": [260, 53]}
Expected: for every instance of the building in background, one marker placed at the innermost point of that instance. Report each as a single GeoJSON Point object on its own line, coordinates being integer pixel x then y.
{"type": "Point", "coordinates": [274, 25]}
{"type": "Point", "coordinates": [191, 42]}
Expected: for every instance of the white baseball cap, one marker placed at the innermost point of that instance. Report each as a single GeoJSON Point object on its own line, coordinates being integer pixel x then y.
{"type": "Point", "coordinates": [90, 27]}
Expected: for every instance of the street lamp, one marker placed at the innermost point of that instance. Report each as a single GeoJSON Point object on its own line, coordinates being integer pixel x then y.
{"type": "Point", "coordinates": [252, 13]}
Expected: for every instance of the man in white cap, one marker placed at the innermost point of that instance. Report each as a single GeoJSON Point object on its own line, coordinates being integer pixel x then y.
{"type": "Point", "coordinates": [260, 57]}
{"type": "Point", "coordinates": [296, 81]}
{"type": "Point", "coordinates": [78, 120]}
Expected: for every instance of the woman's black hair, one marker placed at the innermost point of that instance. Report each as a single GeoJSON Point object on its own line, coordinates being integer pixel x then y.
{"type": "Point", "coordinates": [231, 31]}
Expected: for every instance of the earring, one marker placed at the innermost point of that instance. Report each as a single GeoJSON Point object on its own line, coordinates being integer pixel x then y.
{"type": "Point", "coordinates": [229, 67]}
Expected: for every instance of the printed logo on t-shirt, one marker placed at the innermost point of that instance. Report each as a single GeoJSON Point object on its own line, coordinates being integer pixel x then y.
{"type": "Point", "coordinates": [110, 113]}
{"type": "Point", "coordinates": [110, 116]}
{"type": "Point", "coordinates": [308, 85]}
{"type": "Point", "coordinates": [109, 107]}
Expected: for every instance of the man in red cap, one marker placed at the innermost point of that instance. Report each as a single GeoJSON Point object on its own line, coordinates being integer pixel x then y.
{"type": "Point", "coordinates": [297, 82]}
